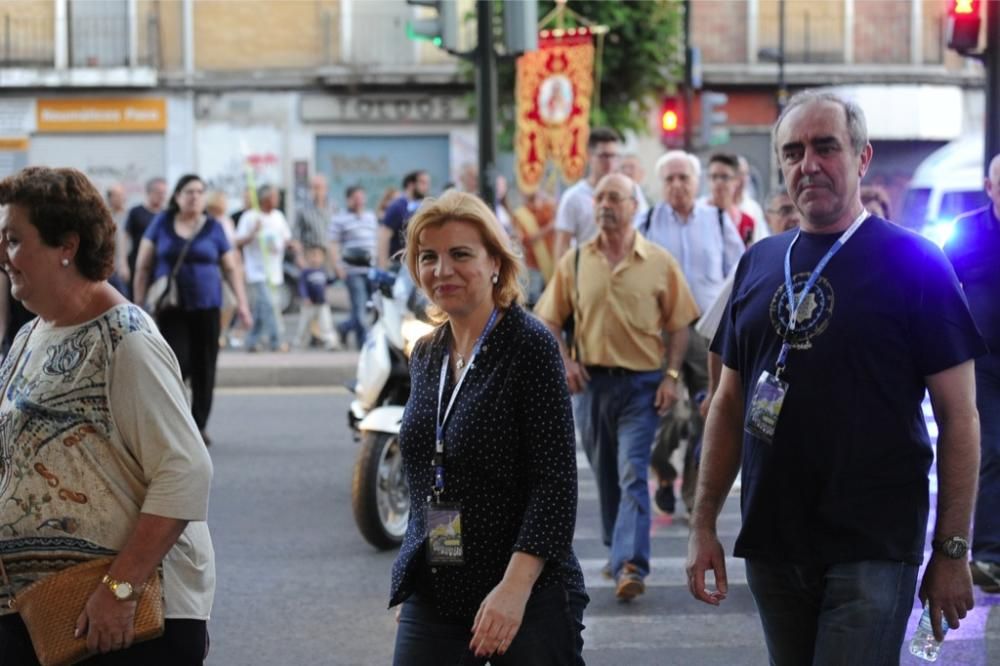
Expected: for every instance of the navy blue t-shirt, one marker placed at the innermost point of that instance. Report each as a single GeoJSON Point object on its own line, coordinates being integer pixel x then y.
{"type": "Point", "coordinates": [974, 251]}
{"type": "Point", "coordinates": [199, 278]}
{"type": "Point", "coordinates": [312, 285]}
{"type": "Point", "coordinates": [397, 214]}
{"type": "Point", "coordinates": [846, 478]}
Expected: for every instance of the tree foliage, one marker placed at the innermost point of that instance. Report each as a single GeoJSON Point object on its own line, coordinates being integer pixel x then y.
{"type": "Point", "coordinates": [642, 58]}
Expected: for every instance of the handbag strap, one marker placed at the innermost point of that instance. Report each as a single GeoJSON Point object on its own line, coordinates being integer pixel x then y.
{"type": "Point", "coordinates": [3, 395]}
{"type": "Point", "coordinates": [184, 250]}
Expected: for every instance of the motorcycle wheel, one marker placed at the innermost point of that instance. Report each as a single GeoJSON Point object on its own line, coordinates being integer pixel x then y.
{"type": "Point", "coordinates": [379, 494]}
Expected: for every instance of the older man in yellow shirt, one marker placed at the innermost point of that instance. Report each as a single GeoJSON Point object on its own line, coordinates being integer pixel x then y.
{"type": "Point", "coordinates": [624, 293]}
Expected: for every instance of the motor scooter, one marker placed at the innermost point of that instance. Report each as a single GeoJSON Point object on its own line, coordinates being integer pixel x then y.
{"type": "Point", "coordinates": [379, 493]}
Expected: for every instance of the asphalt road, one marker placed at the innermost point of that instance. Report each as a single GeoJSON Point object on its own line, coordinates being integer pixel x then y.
{"type": "Point", "coordinates": [297, 584]}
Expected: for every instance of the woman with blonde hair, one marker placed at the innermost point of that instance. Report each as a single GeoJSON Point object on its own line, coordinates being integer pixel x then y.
{"type": "Point", "coordinates": [217, 206]}
{"type": "Point", "coordinates": [487, 569]}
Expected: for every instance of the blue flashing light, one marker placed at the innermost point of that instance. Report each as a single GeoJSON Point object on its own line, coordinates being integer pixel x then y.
{"type": "Point", "coordinates": [939, 232]}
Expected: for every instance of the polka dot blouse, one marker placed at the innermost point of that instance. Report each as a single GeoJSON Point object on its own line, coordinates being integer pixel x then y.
{"type": "Point", "coordinates": [510, 460]}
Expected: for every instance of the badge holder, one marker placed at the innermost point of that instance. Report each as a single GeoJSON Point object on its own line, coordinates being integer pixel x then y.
{"type": "Point", "coordinates": [444, 534]}
{"type": "Point", "coordinates": [768, 396]}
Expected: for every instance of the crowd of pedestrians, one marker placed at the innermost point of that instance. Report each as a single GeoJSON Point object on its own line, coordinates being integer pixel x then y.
{"type": "Point", "coordinates": [698, 336]}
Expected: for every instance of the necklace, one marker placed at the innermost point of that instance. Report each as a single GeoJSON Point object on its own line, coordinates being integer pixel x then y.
{"type": "Point", "coordinates": [460, 363]}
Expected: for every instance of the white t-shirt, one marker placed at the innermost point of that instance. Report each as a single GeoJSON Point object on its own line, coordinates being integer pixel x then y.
{"type": "Point", "coordinates": [96, 431]}
{"type": "Point", "coordinates": [753, 209]}
{"type": "Point", "coordinates": [264, 255]}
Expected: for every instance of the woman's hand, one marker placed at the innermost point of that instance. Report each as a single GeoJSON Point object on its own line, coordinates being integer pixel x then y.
{"type": "Point", "coordinates": [109, 624]}
{"type": "Point", "coordinates": [243, 312]}
{"type": "Point", "coordinates": [498, 619]}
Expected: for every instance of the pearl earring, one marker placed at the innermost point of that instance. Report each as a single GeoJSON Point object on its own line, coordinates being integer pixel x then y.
{"type": "Point", "coordinates": [496, 278]}
{"type": "Point", "coordinates": [65, 263]}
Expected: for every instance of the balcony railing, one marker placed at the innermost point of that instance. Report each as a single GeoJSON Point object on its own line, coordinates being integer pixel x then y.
{"type": "Point", "coordinates": [94, 41]}
{"type": "Point", "coordinates": [27, 42]}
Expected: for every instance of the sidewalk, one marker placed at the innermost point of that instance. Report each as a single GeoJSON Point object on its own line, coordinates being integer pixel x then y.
{"type": "Point", "coordinates": [237, 368]}
{"type": "Point", "coordinates": [299, 367]}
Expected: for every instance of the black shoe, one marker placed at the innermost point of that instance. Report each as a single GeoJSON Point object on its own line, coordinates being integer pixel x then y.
{"type": "Point", "coordinates": [986, 575]}
{"type": "Point", "coordinates": [664, 500]}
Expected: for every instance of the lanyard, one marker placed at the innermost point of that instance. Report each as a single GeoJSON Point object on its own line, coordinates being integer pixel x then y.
{"type": "Point", "coordinates": [443, 420]}
{"type": "Point", "coordinates": [793, 306]}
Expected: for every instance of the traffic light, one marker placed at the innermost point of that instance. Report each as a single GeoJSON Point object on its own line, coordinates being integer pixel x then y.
{"type": "Point", "coordinates": [672, 122]}
{"type": "Point", "coordinates": [520, 26]}
{"type": "Point", "coordinates": [713, 119]}
{"type": "Point", "coordinates": [442, 30]}
{"type": "Point", "coordinates": [963, 25]}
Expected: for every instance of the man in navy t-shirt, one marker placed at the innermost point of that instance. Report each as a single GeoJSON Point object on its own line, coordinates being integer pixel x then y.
{"type": "Point", "coordinates": [835, 475]}
{"type": "Point", "coordinates": [392, 227]}
{"type": "Point", "coordinates": [974, 250]}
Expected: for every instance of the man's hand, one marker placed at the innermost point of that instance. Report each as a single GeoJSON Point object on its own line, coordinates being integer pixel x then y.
{"type": "Point", "coordinates": [107, 623]}
{"type": "Point", "coordinates": [946, 588]}
{"type": "Point", "coordinates": [704, 553]}
{"type": "Point", "coordinates": [576, 376]}
{"type": "Point", "coordinates": [340, 272]}
{"type": "Point", "coordinates": [666, 395]}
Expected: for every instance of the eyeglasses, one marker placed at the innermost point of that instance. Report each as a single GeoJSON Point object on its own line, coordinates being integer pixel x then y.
{"type": "Point", "coordinates": [720, 177]}
{"type": "Point", "coordinates": [782, 210]}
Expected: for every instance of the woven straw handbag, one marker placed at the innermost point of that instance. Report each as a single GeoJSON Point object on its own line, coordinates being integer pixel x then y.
{"type": "Point", "coordinates": [51, 607]}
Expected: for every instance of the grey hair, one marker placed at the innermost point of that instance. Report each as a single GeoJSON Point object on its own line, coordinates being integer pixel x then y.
{"type": "Point", "coordinates": [672, 155]}
{"type": "Point", "coordinates": [264, 190]}
{"type": "Point", "coordinates": [857, 128]}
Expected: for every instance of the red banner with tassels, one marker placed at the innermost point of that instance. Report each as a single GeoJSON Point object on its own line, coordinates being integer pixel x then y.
{"type": "Point", "coordinates": [554, 87]}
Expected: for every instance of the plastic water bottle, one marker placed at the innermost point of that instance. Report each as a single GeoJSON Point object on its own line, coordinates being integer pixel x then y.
{"type": "Point", "coordinates": [923, 644]}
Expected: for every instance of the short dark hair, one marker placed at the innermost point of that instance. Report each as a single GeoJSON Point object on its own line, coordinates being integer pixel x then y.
{"type": "Point", "coordinates": [182, 182]}
{"type": "Point", "coordinates": [61, 202]}
{"type": "Point", "coordinates": [153, 182]}
{"type": "Point", "coordinates": [728, 159]}
{"type": "Point", "coordinates": [602, 135]}
{"type": "Point", "coordinates": [351, 189]}
{"type": "Point", "coordinates": [411, 178]}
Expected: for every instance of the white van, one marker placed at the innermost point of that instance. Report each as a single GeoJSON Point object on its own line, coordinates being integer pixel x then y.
{"type": "Point", "coordinates": [948, 183]}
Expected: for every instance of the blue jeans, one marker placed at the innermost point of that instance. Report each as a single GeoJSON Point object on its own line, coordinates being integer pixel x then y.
{"type": "Point", "coordinates": [851, 613]}
{"type": "Point", "coordinates": [357, 289]}
{"type": "Point", "coordinates": [986, 528]}
{"type": "Point", "coordinates": [617, 422]}
{"type": "Point", "coordinates": [551, 634]}
{"type": "Point", "coordinates": [265, 322]}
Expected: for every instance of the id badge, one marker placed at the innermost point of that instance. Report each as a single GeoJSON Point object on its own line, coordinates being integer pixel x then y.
{"type": "Point", "coordinates": [444, 534]}
{"type": "Point", "coordinates": [765, 406]}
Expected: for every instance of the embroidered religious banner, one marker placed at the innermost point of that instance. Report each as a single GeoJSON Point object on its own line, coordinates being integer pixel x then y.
{"type": "Point", "coordinates": [553, 91]}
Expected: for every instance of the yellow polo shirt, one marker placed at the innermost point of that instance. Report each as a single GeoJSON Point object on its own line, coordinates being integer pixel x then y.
{"type": "Point", "coordinates": [622, 310]}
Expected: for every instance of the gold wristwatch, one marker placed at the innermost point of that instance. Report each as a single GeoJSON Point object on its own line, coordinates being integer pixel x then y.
{"type": "Point", "coordinates": [673, 374]}
{"type": "Point", "coordinates": [121, 589]}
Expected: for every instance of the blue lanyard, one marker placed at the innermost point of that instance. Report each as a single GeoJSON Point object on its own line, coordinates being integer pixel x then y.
{"type": "Point", "coordinates": [443, 420]}
{"type": "Point", "coordinates": [793, 305]}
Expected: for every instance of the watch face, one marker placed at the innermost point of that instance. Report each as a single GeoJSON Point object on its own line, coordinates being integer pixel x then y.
{"type": "Point", "coordinates": [955, 548]}
{"type": "Point", "coordinates": [123, 590]}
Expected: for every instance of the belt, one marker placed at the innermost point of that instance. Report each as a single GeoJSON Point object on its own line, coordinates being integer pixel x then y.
{"type": "Point", "coordinates": [610, 371]}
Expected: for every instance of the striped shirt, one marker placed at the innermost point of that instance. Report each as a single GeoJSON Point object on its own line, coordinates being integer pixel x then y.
{"type": "Point", "coordinates": [351, 230]}
{"type": "Point", "coordinates": [311, 226]}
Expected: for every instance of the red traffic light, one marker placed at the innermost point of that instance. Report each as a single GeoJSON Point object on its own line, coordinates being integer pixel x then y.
{"type": "Point", "coordinates": [672, 121]}
{"type": "Point", "coordinates": [964, 7]}
{"type": "Point", "coordinates": [963, 25]}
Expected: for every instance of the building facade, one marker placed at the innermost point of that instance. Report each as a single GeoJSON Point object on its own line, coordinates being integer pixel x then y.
{"type": "Point", "coordinates": [238, 92]}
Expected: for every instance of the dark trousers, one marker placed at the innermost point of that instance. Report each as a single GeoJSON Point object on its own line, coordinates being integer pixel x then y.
{"type": "Point", "coordinates": [193, 335]}
{"type": "Point", "coordinates": [694, 373]}
{"type": "Point", "coordinates": [183, 643]}
{"type": "Point", "coordinates": [551, 634]}
{"type": "Point", "coordinates": [986, 528]}
{"type": "Point", "coordinates": [830, 615]}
